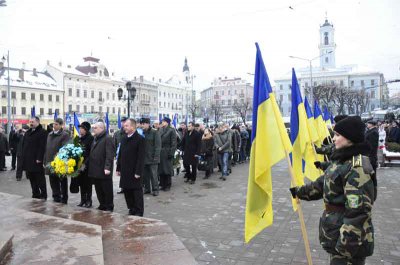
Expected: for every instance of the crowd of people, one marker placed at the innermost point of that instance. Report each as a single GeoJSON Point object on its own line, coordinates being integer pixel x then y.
{"type": "Point", "coordinates": [145, 155]}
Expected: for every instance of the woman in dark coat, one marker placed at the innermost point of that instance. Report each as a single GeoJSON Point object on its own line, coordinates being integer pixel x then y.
{"type": "Point", "coordinates": [86, 140]}
{"type": "Point", "coordinates": [130, 166]}
{"type": "Point", "coordinates": [207, 148]}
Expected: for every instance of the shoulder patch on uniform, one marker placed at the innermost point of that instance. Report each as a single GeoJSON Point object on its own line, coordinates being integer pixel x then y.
{"type": "Point", "coordinates": [353, 201]}
{"type": "Point", "coordinates": [357, 161]}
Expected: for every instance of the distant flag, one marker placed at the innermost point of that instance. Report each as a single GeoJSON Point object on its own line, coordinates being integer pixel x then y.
{"type": "Point", "coordinates": [175, 120]}
{"type": "Point", "coordinates": [269, 144]}
{"type": "Point", "coordinates": [320, 125]}
{"type": "Point", "coordinates": [67, 118]}
{"type": "Point", "coordinates": [33, 112]}
{"type": "Point", "coordinates": [107, 121]}
{"type": "Point", "coordinates": [327, 116]}
{"type": "Point", "coordinates": [55, 115]}
{"type": "Point", "coordinates": [310, 120]}
{"type": "Point", "coordinates": [76, 125]}
{"type": "Point", "coordinates": [160, 117]}
{"type": "Point", "coordinates": [119, 121]}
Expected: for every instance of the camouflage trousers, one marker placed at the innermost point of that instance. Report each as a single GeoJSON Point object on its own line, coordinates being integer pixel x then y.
{"type": "Point", "coordinates": [341, 260]}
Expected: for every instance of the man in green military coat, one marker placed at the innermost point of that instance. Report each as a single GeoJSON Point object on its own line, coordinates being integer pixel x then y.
{"type": "Point", "coordinates": [168, 148]}
{"type": "Point", "coordinates": [345, 230]}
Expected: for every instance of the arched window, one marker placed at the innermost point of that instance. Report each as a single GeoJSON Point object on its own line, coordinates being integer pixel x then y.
{"type": "Point", "coordinates": [326, 60]}
{"type": "Point", "coordinates": [326, 39]}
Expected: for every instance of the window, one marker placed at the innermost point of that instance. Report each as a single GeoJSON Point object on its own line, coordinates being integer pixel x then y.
{"type": "Point", "coordinates": [159, 104]}
{"type": "Point", "coordinates": [100, 109]}
{"type": "Point", "coordinates": [235, 101]}
{"type": "Point", "coordinates": [13, 95]}
{"type": "Point", "coordinates": [341, 83]}
{"type": "Point", "coordinates": [326, 39]}
{"type": "Point", "coordinates": [108, 96]}
{"type": "Point", "coordinates": [108, 109]}
{"type": "Point", "coordinates": [242, 100]}
{"type": "Point", "coordinates": [306, 84]}
{"type": "Point", "coordinates": [124, 111]}
{"type": "Point", "coordinates": [4, 110]}
{"type": "Point", "coordinates": [32, 96]}
{"type": "Point", "coordinates": [70, 92]}
{"type": "Point", "coordinates": [85, 93]}
{"type": "Point", "coordinates": [70, 108]}
{"type": "Point", "coordinates": [78, 108]}
{"type": "Point", "coordinates": [222, 93]}
{"type": "Point", "coordinates": [113, 96]}
{"type": "Point", "coordinates": [13, 110]}
{"type": "Point", "coordinates": [4, 94]}
{"type": "Point", "coordinates": [223, 101]}
{"type": "Point", "coordinates": [168, 104]}
{"type": "Point", "coordinates": [216, 93]}
{"type": "Point", "coordinates": [50, 98]}
{"type": "Point", "coordinates": [332, 82]}
{"type": "Point", "coordinates": [315, 83]}
{"type": "Point", "coordinates": [362, 83]}
{"type": "Point", "coordinates": [372, 82]}
{"type": "Point", "coordinates": [23, 95]}
{"type": "Point", "coordinates": [57, 98]}
{"type": "Point", "coordinates": [92, 94]}
{"type": "Point", "coordinates": [373, 94]}
{"type": "Point", "coordinates": [84, 108]}
{"type": "Point", "coordinates": [41, 111]}
{"type": "Point", "coordinates": [326, 60]}
{"type": "Point", "coordinates": [280, 98]}
{"type": "Point", "coordinates": [50, 111]}
{"type": "Point", "coordinates": [229, 92]}
{"type": "Point", "coordinates": [100, 96]}
{"type": "Point", "coordinates": [289, 96]}
{"type": "Point", "coordinates": [41, 97]}
{"type": "Point", "coordinates": [119, 110]}
{"type": "Point", "coordinates": [78, 93]}
{"type": "Point", "coordinates": [164, 105]}
{"type": "Point", "coordinates": [91, 109]}
{"type": "Point", "coordinates": [229, 102]}
{"type": "Point", "coordinates": [23, 111]}
{"type": "Point", "coordinates": [352, 83]}
{"type": "Point", "coordinates": [113, 110]}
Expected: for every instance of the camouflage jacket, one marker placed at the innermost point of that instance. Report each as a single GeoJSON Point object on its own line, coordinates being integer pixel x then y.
{"type": "Point", "coordinates": [346, 185]}
{"type": "Point", "coordinates": [325, 149]}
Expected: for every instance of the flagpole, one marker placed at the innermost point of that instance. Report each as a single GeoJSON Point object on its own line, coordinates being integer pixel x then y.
{"type": "Point", "coordinates": [300, 212]}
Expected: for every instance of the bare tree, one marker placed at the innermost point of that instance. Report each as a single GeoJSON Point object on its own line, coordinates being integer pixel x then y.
{"type": "Point", "coordinates": [193, 109]}
{"type": "Point", "coordinates": [242, 109]}
{"type": "Point", "coordinates": [362, 101]}
{"type": "Point", "coordinates": [350, 101]}
{"type": "Point", "coordinates": [340, 98]}
{"type": "Point", "coordinates": [217, 111]}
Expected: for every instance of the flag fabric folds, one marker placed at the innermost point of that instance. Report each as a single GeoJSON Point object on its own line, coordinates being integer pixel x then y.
{"type": "Point", "coordinates": [76, 125]}
{"type": "Point", "coordinates": [269, 144]}
{"type": "Point", "coordinates": [107, 121]}
{"type": "Point", "coordinates": [55, 115]}
{"type": "Point", "coordinates": [33, 112]}
{"type": "Point", "coordinates": [119, 121]}
{"type": "Point", "coordinates": [310, 120]}
{"type": "Point", "coordinates": [175, 120]}
{"type": "Point", "coordinates": [320, 125]}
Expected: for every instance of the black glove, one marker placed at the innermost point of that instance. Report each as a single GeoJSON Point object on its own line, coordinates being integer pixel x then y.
{"type": "Point", "coordinates": [293, 191]}
{"type": "Point", "coordinates": [317, 164]}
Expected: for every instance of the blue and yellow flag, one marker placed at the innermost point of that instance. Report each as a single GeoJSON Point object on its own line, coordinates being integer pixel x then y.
{"type": "Point", "coordinates": [119, 121]}
{"type": "Point", "coordinates": [299, 136]}
{"type": "Point", "coordinates": [107, 123]}
{"type": "Point", "coordinates": [269, 144]}
{"type": "Point", "coordinates": [310, 121]}
{"type": "Point", "coordinates": [327, 117]}
{"type": "Point", "coordinates": [76, 125]}
{"type": "Point", "coordinates": [320, 125]}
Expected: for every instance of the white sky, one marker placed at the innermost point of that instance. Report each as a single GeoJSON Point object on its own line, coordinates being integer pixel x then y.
{"type": "Point", "coordinates": [152, 37]}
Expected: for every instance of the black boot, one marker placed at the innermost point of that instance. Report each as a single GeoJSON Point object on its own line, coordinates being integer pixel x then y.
{"type": "Point", "coordinates": [83, 200]}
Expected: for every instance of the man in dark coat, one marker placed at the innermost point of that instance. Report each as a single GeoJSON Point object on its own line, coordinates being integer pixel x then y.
{"type": "Point", "coordinates": [20, 134]}
{"type": "Point", "coordinates": [191, 149]}
{"type": "Point", "coordinates": [86, 140]}
{"type": "Point", "coordinates": [55, 140]}
{"type": "Point", "coordinates": [3, 149]}
{"type": "Point", "coordinates": [152, 156]}
{"type": "Point", "coordinates": [168, 147]}
{"type": "Point", "coordinates": [100, 164]}
{"type": "Point", "coordinates": [372, 139]}
{"type": "Point", "coordinates": [13, 140]}
{"type": "Point", "coordinates": [33, 149]}
{"type": "Point", "coordinates": [130, 165]}
{"type": "Point", "coordinates": [118, 135]}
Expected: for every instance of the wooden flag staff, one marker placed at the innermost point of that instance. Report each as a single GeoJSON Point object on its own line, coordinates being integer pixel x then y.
{"type": "Point", "coordinates": [300, 212]}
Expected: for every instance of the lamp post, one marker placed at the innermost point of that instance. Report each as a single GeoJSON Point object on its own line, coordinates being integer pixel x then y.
{"type": "Point", "coordinates": [131, 95]}
{"type": "Point", "coordinates": [311, 81]}
{"type": "Point", "coordinates": [8, 92]}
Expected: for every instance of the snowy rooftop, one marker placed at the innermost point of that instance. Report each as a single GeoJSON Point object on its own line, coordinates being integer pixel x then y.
{"type": "Point", "coordinates": [40, 80]}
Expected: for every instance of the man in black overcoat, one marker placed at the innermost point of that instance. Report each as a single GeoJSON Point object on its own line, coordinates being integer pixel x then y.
{"type": "Point", "coordinates": [100, 164]}
{"type": "Point", "coordinates": [130, 166]}
{"type": "Point", "coordinates": [85, 183]}
{"type": "Point", "coordinates": [191, 151]}
{"type": "Point", "coordinates": [33, 149]}
{"type": "Point", "coordinates": [13, 140]}
{"type": "Point", "coordinates": [168, 148]}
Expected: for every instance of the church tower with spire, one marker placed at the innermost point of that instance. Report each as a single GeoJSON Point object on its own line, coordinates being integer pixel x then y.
{"type": "Point", "coordinates": [327, 45]}
{"type": "Point", "coordinates": [186, 72]}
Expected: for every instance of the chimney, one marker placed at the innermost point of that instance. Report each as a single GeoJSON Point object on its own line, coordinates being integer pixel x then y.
{"type": "Point", "coordinates": [21, 74]}
{"type": "Point", "coordinates": [141, 79]}
{"type": "Point", "coordinates": [34, 72]}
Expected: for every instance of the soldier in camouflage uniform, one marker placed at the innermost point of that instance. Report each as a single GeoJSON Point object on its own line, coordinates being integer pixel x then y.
{"type": "Point", "coordinates": [345, 230]}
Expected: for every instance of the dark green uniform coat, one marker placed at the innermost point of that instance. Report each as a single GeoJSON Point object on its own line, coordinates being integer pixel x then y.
{"type": "Point", "coordinates": [168, 148]}
{"type": "Point", "coordinates": [346, 186]}
{"type": "Point", "coordinates": [153, 147]}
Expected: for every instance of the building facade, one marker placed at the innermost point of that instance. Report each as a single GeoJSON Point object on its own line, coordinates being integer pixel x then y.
{"type": "Point", "coordinates": [227, 99]}
{"type": "Point", "coordinates": [29, 88]}
{"type": "Point", "coordinates": [327, 76]}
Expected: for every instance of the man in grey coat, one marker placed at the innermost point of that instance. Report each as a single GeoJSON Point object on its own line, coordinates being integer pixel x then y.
{"type": "Point", "coordinates": [168, 148]}
{"type": "Point", "coordinates": [55, 140]}
{"type": "Point", "coordinates": [101, 161]}
{"type": "Point", "coordinates": [223, 146]}
{"type": "Point", "coordinates": [152, 157]}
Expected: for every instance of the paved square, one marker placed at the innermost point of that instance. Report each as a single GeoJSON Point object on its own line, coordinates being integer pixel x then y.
{"type": "Point", "coordinates": [209, 218]}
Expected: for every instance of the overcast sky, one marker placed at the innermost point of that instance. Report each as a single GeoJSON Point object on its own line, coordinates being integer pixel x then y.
{"type": "Point", "coordinates": [152, 37]}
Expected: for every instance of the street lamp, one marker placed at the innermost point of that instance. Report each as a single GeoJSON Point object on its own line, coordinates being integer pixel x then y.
{"type": "Point", "coordinates": [131, 95]}
{"type": "Point", "coordinates": [311, 81]}
{"type": "Point", "coordinates": [8, 92]}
